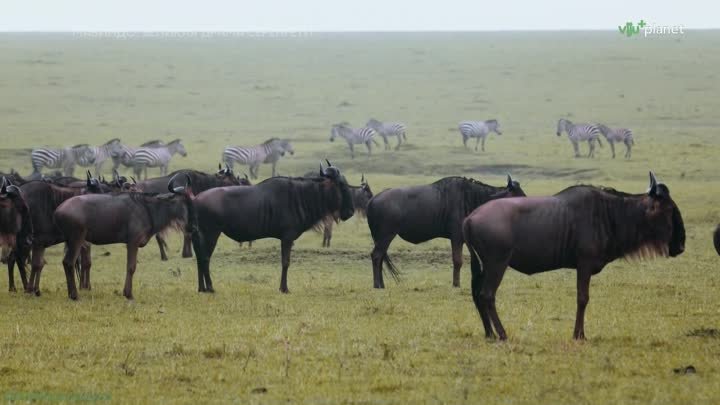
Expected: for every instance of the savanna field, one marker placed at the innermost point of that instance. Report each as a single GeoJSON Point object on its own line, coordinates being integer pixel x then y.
{"type": "Point", "coordinates": [334, 339]}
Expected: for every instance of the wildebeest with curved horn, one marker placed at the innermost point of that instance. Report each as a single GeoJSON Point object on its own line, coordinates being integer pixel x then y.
{"type": "Point", "coordinates": [200, 182]}
{"type": "Point", "coordinates": [15, 229]}
{"type": "Point", "coordinates": [129, 218]}
{"type": "Point", "coordinates": [581, 227]}
{"type": "Point", "coordinates": [42, 199]}
{"type": "Point", "coordinates": [279, 207]}
{"type": "Point", "coordinates": [420, 213]}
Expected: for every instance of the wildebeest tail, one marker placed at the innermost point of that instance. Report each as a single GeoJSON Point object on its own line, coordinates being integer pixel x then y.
{"type": "Point", "coordinates": [475, 266]}
{"type": "Point", "coordinates": [394, 272]}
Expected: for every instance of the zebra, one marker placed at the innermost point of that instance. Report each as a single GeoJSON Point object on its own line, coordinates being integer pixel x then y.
{"type": "Point", "coordinates": [623, 135]}
{"type": "Point", "coordinates": [124, 155]}
{"type": "Point", "coordinates": [478, 130]}
{"type": "Point", "coordinates": [102, 153]}
{"type": "Point", "coordinates": [158, 156]}
{"type": "Point", "coordinates": [64, 159]}
{"type": "Point", "coordinates": [354, 136]}
{"type": "Point", "coordinates": [253, 156]}
{"type": "Point", "coordinates": [578, 133]}
{"type": "Point", "coordinates": [387, 129]}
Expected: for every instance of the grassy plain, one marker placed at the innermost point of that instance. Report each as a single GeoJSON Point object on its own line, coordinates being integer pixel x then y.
{"type": "Point", "coordinates": [334, 339]}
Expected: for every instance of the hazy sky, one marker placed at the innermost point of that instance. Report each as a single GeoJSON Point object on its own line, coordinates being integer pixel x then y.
{"type": "Point", "coordinates": [338, 15]}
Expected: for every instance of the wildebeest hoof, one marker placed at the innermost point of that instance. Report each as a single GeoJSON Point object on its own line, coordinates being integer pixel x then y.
{"type": "Point", "coordinates": [37, 294]}
{"type": "Point", "coordinates": [685, 370]}
{"type": "Point", "coordinates": [12, 289]}
{"type": "Point", "coordinates": [73, 297]}
{"type": "Point", "coordinates": [284, 290]}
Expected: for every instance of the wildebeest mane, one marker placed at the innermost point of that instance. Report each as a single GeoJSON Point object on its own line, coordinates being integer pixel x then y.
{"type": "Point", "coordinates": [307, 202]}
{"type": "Point", "coordinates": [473, 192]}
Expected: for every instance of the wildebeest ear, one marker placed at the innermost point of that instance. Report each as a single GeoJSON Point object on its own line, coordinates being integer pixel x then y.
{"type": "Point", "coordinates": [510, 184]}
{"type": "Point", "coordinates": [362, 178]}
{"type": "Point", "coordinates": [228, 170]}
{"type": "Point", "coordinates": [219, 167]}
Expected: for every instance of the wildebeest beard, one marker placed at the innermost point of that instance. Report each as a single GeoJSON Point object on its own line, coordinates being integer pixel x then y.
{"type": "Point", "coordinates": [339, 198]}
{"type": "Point", "coordinates": [162, 221]}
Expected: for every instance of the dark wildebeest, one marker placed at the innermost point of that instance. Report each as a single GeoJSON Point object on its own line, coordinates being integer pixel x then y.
{"type": "Point", "coordinates": [129, 218]}
{"type": "Point", "coordinates": [43, 198]}
{"type": "Point", "coordinates": [716, 239]}
{"type": "Point", "coordinates": [279, 207]}
{"type": "Point", "coordinates": [581, 227]}
{"type": "Point", "coordinates": [421, 213]}
{"type": "Point", "coordinates": [200, 182]}
{"type": "Point", "coordinates": [15, 229]}
{"type": "Point", "coordinates": [361, 195]}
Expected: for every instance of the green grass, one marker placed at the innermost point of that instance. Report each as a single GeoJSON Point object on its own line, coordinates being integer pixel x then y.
{"type": "Point", "coordinates": [334, 339]}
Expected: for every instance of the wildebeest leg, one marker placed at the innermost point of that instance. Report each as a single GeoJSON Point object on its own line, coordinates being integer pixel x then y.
{"type": "Point", "coordinates": [5, 254]}
{"type": "Point", "coordinates": [584, 273]}
{"type": "Point", "coordinates": [286, 247]}
{"type": "Point", "coordinates": [478, 277]}
{"type": "Point", "coordinates": [36, 267]}
{"type": "Point", "coordinates": [10, 260]}
{"type": "Point", "coordinates": [162, 245]}
{"type": "Point", "coordinates": [203, 242]}
{"type": "Point", "coordinates": [132, 250]}
{"type": "Point", "coordinates": [71, 256]}
{"type": "Point", "coordinates": [327, 233]}
{"type": "Point", "coordinates": [494, 270]}
{"type": "Point", "coordinates": [379, 252]}
{"type": "Point", "coordinates": [187, 245]}
{"type": "Point", "coordinates": [456, 246]}
{"type": "Point", "coordinates": [612, 148]}
{"type": "Point", "coordinates": [85, 264]}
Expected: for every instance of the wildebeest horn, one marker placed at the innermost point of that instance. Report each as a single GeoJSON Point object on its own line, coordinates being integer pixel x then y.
{"type": "Point", "coordinates": [510, 181]}
{"type": "Point", "coordinates": [362, 178]}
{"type": "Point", "coordinates": [227, 168]}
{"type": "Point", "coordinates": [328, 162]}
{"type": "Point", "coordinates": [246, 176]}
{"type": "Point", "coordinates": [653, 184]}
{"type": "Point", "coordinates": [89, 176]}
{"type": "Point", "coordinates": [133, 179]}
{"type": "Point", "coordinates": [116, 175]}
{"type": "Point", "coordinates": [219, 166]}
{"type": "Point", "coordinates": [322, 171]}
{"type": "Point", "coordinates": [12, 189]}
{"type": "Point", "coordinates": [3, 190]}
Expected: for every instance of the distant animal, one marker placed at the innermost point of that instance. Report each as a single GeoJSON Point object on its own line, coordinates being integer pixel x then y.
{"type": "Point", "coordinates": [388, 129]}
{"type": "Point", "coordinates": [478, 130]}
{"type": "Point", "coordinates": [65, 158]}
{"type": "Point", "coordinates": [619, 135]}
{"type": "Point", "coordinates": [125, 155]}
{"type": "Point", "coordinates": [420, 213]}
{"type": "Point", "coordinates": [201, 182]}
{"type": "Point", "coordinates": [103, 153]}
{"type": "Point", "coordinates": [269, 151]}
{"type": "Point", "coordinates": [581, 227]}
{"type": "Point", "coordinates": [42, 199]}
{"type": "Point", "coordinates": [158, 156]}
{"type": "Point", "coordinates": [354, 136]}
{"type": "Point", "coordinates": [279, 207]}
{"type": "Point", "coordinates": [129, 218]}
{"type": "Point", "coordinates": [15, 229]}
{"type": "Point", "coordinates": [579, 133]}
{"type": "Point", "coordinates": [716, 239]}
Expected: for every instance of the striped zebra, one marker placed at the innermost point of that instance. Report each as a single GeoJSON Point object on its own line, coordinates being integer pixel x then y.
{"type": "Point", "coordinates": [613, 135]}
{"type": "Point", "coordinates": [158, 156]}
{"type": "Point", "coordinates": [64, 159]}
{"type": "Point", "coordinates": [102, 153]}
{"type": "Point", "coordinates": [478, 130]}
{"type": "Point", "coordinates": [388, 129]}
{"type": "Point", "coordinates": [579, 133]}
{"type": "Point", "coordinates": [269, 151]}
{"type": "Point", "coordinates": [125, 154]}
{"type": "Point", "coordinates": [354, 136]}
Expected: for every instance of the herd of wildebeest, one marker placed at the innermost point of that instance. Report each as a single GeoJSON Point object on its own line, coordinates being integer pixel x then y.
{"type": "Point", "coordinates": [582, 227]}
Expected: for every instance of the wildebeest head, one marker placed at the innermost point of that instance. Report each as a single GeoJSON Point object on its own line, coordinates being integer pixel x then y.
{"type": "Point", "coordinates": [333, 175]}
{"type": "Point", "coordinates": [512, 189]}
{"type": "Point", "coordinates": [11, 205]}
{"type": "Point", "coordinates": [226, 176]}
{"type": "Point", "coordinates": [664, 218]}
{"type": "Point", "coordinates": [362, 195]}
{"type": "Point", "coordinates": [93, 185]}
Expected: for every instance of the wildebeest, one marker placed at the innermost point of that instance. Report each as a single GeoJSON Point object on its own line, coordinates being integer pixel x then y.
{"type": "Point", "coordinates": [581, 227]}
{"type": "Point", "coordinates": [716, 239]}
{"type": "Point", "coordinates": [43, 198]}
{"type": "Point", "coordinates": [279, 207]}
{"type": "Point", "coordinates": [129, 218]}
{"type": "Point", "coordinates": [15, 228]}
{"type": "Point", "coordinates": [361, 195]}
{"type": "Point", "coordinates": [421, 213]}
{"type": "Point", "coordinates": [200, 182]}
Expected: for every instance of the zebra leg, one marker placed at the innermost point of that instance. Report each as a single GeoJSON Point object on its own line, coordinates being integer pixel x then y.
{"type": "Point", "coordinates": [477, 141]}
{"type": "Point", "coordinates": [483, 144]}
{"type": "Point", "coordinates": [612, 148]}
{"type": "Point", "coordinates": [591, 151]}
{"type": "Point", "coordinates": [352, 151]}
{"type": "Point", "coordinates": [576, 148]}
{"type": "Point", "coordinates": [399, 137]}
{"type": "Point", "coordinates": [628, 150]}
{"type": "Point", "coordinates": [273, 168]}
{"type": "Point", "coordinates": [465, 138]}
{"type": "Point", "coordinates": [369, 148]}
{"type": "Point", "coordinates": [387, 144]}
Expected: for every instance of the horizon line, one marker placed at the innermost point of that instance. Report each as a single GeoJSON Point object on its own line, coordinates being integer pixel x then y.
{"type": "Point", "coordinates": [38, 31]}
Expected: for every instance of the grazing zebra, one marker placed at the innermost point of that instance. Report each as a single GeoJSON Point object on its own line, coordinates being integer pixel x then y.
{"type": "Point", "coordinates": [354, 136]}
{"type": "Point", "coordinates": [578, 133]}
{"type": "Point", "coordinates": [623, 135]}
{"type": "Point", "coordinates": [478, 130]}
{"type": "Point", "coordinates": [253, 156]}
{"type": "Point", "coordinates": [102, 153]}
{"type": "Point", "coordinates": [125, 154]}
{"type": "Point", "coordinates": [64, 159]}
{"type": "Point", "coordinates": [156, 157]}
{"type": "Point", "coordinates": [386, 129]}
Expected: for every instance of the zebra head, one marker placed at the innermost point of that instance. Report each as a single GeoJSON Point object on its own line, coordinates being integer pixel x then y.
{"type": "Point", "coordinates": [493, 125]}
{"type": "Point", "coordinates": [374, 124]}
{"type": "Point", "coordinates": [83, 154]}
{"type": "Point", "coordinates": [176, 147]}
{"type": "Point", "coordinates": [562, 125]}
{"type": "Point", "coordinates": [286, 147]}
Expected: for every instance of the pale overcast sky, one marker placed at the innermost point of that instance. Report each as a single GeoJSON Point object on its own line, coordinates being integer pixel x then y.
{"type": "Point", "coordinates": [337, 15]}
